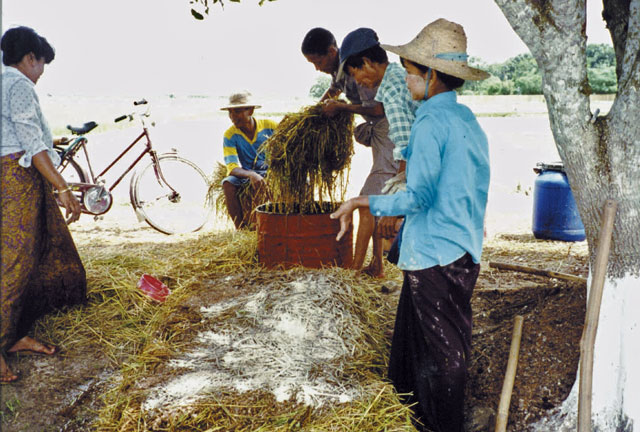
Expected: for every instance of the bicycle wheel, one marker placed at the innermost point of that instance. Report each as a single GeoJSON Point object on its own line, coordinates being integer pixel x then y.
{"type": "Point", "coordinates": [72, 172]}
{"type": "Point", "coordinates": [180, 208]}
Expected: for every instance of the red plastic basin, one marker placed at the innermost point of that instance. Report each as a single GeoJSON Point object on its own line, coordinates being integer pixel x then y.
{"type": "Point", "coordinates": [153, 288]}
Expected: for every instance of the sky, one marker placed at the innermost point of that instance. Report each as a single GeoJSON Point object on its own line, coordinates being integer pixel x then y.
{"type": "Point", "coordinates": [145, 47]}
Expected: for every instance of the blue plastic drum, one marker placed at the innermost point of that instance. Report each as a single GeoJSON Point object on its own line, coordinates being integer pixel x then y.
{"type": "Point", "coordinates": [555, 215]}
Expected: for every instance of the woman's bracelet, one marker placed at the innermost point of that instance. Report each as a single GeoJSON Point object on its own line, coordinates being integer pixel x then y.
{"type": "Point", "coordinates": [67, 189]}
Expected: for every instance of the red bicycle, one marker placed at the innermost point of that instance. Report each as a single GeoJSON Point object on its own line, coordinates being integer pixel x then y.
{"type": "Point", "coordinates": [169, 193]}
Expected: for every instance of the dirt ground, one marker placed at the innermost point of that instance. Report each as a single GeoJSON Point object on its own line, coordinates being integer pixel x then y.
{"type": "Point", "coordinates": [553, 312]}
{"type": "Point", "coordinates": [62, 393]}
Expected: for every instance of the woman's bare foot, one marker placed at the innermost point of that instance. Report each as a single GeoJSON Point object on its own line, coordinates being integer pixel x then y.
{"type": "Point", "coordinates": [6, 376]}
{"type": "Point", "coordinates": [30, 345]}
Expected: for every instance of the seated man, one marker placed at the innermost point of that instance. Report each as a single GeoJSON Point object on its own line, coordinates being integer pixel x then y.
{"type": "Point", "coordinates": [245, 165]}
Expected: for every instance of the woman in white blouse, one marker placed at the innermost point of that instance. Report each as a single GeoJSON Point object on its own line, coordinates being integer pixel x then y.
{"type": "Point", "coordinates": [41, 269]}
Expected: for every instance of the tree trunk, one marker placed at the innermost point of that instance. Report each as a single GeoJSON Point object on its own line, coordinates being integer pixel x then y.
{"type": "Point", "coordinates": [601, 156]}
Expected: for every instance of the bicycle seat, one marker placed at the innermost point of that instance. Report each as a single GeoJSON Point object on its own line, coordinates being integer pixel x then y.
{"type": "Point", "coordinates": [85, 128]}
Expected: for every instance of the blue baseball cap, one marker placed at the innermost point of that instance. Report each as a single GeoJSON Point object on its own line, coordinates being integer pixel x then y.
{"type": "Point", "coordinates": [356, 42]}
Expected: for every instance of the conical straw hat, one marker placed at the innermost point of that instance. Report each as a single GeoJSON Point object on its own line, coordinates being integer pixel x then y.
{"type": "Point", "coordinates": [441, 45]}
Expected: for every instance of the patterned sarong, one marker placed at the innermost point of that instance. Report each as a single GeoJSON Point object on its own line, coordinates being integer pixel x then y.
{"type": "Point", "coordinates": [41, 269]}
{"type": "Point", "coordinates": [432, 343]}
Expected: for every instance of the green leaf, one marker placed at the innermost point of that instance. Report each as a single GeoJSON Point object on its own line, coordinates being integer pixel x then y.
{"type": "Point", "coordinates": [197, 15]}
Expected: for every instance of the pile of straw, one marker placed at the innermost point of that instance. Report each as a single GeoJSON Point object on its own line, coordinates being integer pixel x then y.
{"type": "Point", "coordinates": [296, 338]}
{"type": "Point", "coordinates": [118, 319]}
{"type": "Point", "coordinates": [302, 349]}
{"type": "Point", "coordinates": [308, 157]}
{"type": "Point", "coordinates": [248, 196]}
{"type": "Point", "coordinates": [218, 287]}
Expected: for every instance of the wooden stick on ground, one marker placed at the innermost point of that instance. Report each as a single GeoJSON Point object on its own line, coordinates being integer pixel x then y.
{"type": "Point", "coordinates": [535, 271]}
{"type": "Point", "coordinates": [510, 375]}
{"type": "Point", "coordinates": [592, 315]}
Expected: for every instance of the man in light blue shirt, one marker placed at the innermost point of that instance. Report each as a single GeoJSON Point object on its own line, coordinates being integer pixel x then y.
{"type": "Point", "coordinates": [447, 183]}
{"type": "Point", "coordinates": [444, 205]}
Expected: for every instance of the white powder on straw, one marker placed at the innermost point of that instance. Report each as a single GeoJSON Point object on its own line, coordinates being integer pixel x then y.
{"type": "Point", "coordinates": [210, 337]}
{"type": "Point", "coordinates": [292, 327]}
{"type": "Point", "coordinates": [184, 387]}
{"type": "Point", "coordinates": [279, 340]}
{"type": "Point", "coordinates": [216, 309]}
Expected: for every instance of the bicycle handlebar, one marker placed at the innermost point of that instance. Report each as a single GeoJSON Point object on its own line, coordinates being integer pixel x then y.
{"type": "Point", "coordinates": [130, 116]}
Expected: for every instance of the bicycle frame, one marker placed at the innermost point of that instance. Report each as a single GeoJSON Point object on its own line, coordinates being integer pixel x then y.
{"type": "Point", "coordinates": [81, 142]}
{"type": "Point", "coordinates": [160, 207]}
{"type": "Point", "coordinates": [148, 149]}
{"type": "Point", "coordinates": [97, 180]}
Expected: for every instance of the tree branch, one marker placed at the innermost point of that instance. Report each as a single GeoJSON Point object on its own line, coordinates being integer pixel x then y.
{"type": "Point", "coordinates": [616, 16]}
{"type": "Point", "coordinates": [200, 8]}
{"type": "Point", "coordinates": [522, 17]}
{"type": "Point", "coordinates": [631, 59]}
{"type": "Point", "coordinates": [628, 68]}
{"type": "Point", "coordinates": [555, 33]}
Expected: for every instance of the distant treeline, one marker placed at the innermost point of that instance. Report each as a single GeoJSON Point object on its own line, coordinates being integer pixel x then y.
{"type": "Point", "coordinates": [520, 75]}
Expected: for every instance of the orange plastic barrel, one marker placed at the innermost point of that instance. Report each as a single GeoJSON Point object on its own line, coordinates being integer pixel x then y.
{"type": "Point", "coordinates": [287, 240]}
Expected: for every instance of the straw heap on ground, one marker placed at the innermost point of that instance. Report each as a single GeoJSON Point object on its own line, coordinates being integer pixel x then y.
{"type": "Point", "coordinates": [162, 334]}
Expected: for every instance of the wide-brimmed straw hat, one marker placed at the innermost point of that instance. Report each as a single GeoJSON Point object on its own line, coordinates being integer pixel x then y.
{"type": "Point", "coordinates": [441, 45]}
{"type": "Point", "coordinates": [240, 100]}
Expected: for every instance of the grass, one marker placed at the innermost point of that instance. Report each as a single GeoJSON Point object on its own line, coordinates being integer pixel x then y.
{"type": "Point", "coordinates": [12, 406]}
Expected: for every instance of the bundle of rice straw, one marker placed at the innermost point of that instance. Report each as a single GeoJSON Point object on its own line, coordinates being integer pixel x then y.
{"type": "Point", "coordinates": [249, 198]}
{"type": "Point", "coordinates": [308, 156]}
